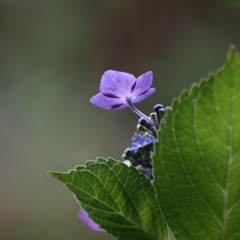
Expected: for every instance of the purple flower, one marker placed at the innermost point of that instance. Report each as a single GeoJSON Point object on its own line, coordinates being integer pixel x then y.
{"type": "Point", "coordinates": [88, 221]}
{"type": "Point", "coordinates": [119, 90]}
{"type": "Point", "coordinates": [141, 140]}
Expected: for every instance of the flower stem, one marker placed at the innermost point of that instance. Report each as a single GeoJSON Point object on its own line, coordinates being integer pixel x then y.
{"type": "Point", "coordinates": [139, 113]}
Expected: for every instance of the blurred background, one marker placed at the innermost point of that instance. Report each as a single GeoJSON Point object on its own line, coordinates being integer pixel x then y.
{"type": "Point", "coordinates": [52, 56]}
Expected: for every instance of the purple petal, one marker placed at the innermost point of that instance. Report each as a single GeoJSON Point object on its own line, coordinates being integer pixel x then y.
{"type": "Point", "coordinates": [109, 103]}
{"type": "Point", "coordinates": [144, 82]}
{"type": "Point", "coordinates": [117, 84]}
{"type": "Point", "coordinates": [143, 96]}
{"type": "Point", "coordinates": [84, 217]}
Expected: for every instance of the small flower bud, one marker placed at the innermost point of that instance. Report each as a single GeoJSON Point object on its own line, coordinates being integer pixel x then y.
{"type": "Point", "coordinates": [148, 147]}
{"type": "Point", "coordinates": [142, 121]}
{"type": "Point", "coordinates": [141, 128]}
{"type": "Point", "coordinates": [128, 154]}
{"type": "Point", "coordinates": [157, 107]}
{"type": "Point", "coordinates": [161, 112]}
{"type": "Point", "coordinates": [145, 123]}
{"type": "Point", "coordinates": [153, 117]}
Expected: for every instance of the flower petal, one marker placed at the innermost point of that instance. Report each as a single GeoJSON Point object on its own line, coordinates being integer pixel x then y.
{"type": "Point", "coordinates": [144, 82]}
{"type": "Point", "coordinates": [143, 95]}
{"type": "Point", "coordinates": [127, 162]}
{"type": "Point", "coordinates": [84, 217]}
{"type": "Point", "coordinates": [108, 103]}
{"type": "Point", "coordinates": [117, 84]}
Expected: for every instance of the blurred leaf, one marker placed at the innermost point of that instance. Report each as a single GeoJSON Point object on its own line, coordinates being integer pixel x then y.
{"type": "Point", "coordinates": [197, 158]}
{"type": "Point", "coordinates": [118, 198]}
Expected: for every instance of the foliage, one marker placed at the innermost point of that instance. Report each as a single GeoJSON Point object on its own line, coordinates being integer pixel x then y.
{"type": "Point", "coordinates": [197, 158]}
{"type": "Point", "coordinates": [118, 198]}
{"type": "Point", "coordinates": [196, 171]}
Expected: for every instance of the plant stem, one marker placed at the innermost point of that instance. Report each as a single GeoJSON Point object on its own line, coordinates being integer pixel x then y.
{"type": "Point", "coordinates": [139, 113]}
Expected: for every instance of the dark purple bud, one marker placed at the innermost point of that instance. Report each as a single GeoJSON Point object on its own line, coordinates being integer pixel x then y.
{"type": "Point", "coordinates": [148, 147]}
{"type": "Point", "coordinates": [157, 107]}
{"type": "Point", "coordinates": [142, 121]}
{"type": "Point", "coordinates": [128, 154]}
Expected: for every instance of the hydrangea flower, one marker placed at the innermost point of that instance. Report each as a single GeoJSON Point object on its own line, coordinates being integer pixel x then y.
{"type": "Point", "coordinates": [119, 90]}
{"type": "Point", "coordinates": [141, 140]}
{"type": "Point", "coordinates": [140, 154]}
{"type": "Point", "coordinates": [88, 221]}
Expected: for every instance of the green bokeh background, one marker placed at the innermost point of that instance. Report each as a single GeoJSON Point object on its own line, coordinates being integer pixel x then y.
{"type": "Point", "coordinates": [53, 54]}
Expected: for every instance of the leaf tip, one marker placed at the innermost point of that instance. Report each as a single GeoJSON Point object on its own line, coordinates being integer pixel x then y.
{"type": "Point", "coordinates": [64, 177]}
{"type": "Point", "coordinates": [52, 174]}
{"type": "Point", "coordinates": [232, 51]}
{"type": "Point", "coordinates": [183, 94]}
{"type": "Point", "coordinates": [112, 160]}
{"type": "Point", "coordinates": [89, 162]}
{"type": "Point", "coordinates": [79, 168]}
{"type": "Point", "coordinates": [100, 160]}
{"type": "Point", "coordinates": [174, 103]}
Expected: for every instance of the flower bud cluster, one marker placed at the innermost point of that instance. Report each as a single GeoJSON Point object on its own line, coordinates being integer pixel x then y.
{"type": "Point", "coordinates": [140, 154]}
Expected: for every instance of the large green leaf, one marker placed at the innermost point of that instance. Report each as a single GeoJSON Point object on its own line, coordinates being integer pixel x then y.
{"type": "Point", "coordinates": [197, 158]}
{"type": "Point", "coordinates": [118, 198]}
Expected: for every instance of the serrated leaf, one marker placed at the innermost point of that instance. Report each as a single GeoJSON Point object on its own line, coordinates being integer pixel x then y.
{"type": "Point", "coordinates": [118, 198]}
{"type": "Point", "coordinates": [197, 158]}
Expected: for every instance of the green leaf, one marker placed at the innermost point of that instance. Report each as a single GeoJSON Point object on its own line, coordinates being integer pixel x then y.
{"type": "Point", "coordinates": [118, 198]}
{"type": "Point", "coordinates": [197, 158]}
